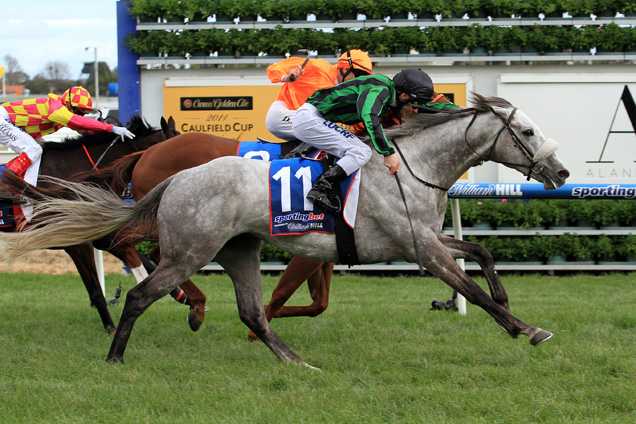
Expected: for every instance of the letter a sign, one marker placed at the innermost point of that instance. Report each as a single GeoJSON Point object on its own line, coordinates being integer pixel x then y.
{"type": "Point", "coordinates": [630, 107]}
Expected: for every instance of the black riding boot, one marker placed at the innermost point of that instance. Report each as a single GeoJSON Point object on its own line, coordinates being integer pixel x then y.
{"type": "Point", "coordinates": [321, 191]}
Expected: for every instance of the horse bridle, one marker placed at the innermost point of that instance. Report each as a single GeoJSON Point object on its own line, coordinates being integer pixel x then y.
{"type": "Point", "coordinates": [549, 148]}
{"type": "Point", "coordinates": [545, 150]}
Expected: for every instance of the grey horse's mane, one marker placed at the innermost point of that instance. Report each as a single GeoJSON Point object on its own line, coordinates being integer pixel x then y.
{"type": "Point", "coordinates": [420, 121]}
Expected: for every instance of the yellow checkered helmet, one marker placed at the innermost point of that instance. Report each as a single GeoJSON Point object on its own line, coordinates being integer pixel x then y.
{"type": "Point", "coordinates": [78, 97]}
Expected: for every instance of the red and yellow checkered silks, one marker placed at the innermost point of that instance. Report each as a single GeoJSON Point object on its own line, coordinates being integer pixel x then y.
{"type": "Point", "coordinates": [78, 97]}
{"type": "Point", "coordinates": [39, 117]}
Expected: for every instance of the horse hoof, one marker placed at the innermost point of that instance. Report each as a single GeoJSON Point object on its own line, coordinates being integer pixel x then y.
{"type": "Point", "coordinates": [194, 322]}
{"type": "Point", "coordinates": [539, 336]}
{"type": "Point", "coordinates": [115, 360]}
{"type": "Point", "coordinates": [251, 337]}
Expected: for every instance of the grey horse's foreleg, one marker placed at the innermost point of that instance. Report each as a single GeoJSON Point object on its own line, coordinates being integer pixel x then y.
{"type": "Point", "coordinates": [240, 257]}
{"type": "Point", "coordinates": [475, 252]}
{"type": "Point", "coordinates": [440, 262]}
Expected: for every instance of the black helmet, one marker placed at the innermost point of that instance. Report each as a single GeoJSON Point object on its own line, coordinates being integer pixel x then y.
{"type": "Point", "coordinates": [416, 83]}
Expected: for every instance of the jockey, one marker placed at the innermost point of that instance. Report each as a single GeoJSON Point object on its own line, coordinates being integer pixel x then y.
{"type": "Point", "coordinates": [24, 122]}
{"type": "Point", "coordinates": [364, 99]}
{"type": "Point", "coordinates": [301, 77]}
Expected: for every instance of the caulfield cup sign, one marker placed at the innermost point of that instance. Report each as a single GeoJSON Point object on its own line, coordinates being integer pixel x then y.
{"type": "Point", "coordinates": [236, 112]}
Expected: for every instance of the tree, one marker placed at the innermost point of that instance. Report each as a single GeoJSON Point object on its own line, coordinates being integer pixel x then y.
{"type": "Point", "coordinates": [106, 76]}
{"type": "Point", "coordinates": [14, 74]}
{"type": "Point", "coordinates": [58, 76]}
{"type": "Point", "coordinates": [38, 85]}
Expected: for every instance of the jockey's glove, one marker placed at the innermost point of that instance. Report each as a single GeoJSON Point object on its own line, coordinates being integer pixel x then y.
{"type": "Point", "coordinates": [122, 131]}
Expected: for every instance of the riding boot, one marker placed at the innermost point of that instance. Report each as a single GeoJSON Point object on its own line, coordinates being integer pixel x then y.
{"type": "Point", "coordinates": [298, 151]}
{"type": "Point", "coordinates": [321, 191]}
{"type": "Point", "coordinates": [20, 164]}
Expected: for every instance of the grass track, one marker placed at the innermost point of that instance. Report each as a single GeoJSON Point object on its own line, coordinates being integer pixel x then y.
{"type": "Point", "coordinates": [384, 356]}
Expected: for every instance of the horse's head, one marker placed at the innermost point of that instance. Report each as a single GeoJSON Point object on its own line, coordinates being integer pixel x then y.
{"type": "Point", "coordinates": [520, 145]}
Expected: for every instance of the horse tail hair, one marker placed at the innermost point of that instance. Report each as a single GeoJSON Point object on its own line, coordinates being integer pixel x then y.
{"type": "Point", "coordinates": [89, 215]}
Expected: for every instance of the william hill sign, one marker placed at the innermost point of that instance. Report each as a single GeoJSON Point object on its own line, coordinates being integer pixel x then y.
{"type": "Point", "coordinates": [216, 103]}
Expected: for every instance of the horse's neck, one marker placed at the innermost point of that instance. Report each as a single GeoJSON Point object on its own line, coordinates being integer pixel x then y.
{"type": "Point", "coordinates": [440, 154]}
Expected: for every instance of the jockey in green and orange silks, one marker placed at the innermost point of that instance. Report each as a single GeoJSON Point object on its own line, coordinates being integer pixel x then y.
{"type": "Point", "coordinates": [23, 122]}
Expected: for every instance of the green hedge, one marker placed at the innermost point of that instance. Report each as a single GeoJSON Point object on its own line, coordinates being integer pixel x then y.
{"type": "Point", "coordinates": [546, 212]}
{"type": "Point", "coordinates": [385, 40]}
{"type": "Point", "coordinates": [196, 10]}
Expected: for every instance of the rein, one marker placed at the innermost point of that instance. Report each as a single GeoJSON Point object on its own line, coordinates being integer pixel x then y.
{"type": "Point", "coordinates": [426, 183]}
{"type": "Point", "coordinates": [132, 143]}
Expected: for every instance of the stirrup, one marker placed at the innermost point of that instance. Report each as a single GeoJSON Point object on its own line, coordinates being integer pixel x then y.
{"type": "Point", "coordinates": [324, 201]}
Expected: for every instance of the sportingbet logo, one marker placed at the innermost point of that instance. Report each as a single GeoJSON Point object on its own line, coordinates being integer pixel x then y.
{"type": "Point", "coordinates": [337, 128]}
{"type": "Point", "coordinates": [613, 190]}
{"type": "Point", "coordinates": [297, 216]}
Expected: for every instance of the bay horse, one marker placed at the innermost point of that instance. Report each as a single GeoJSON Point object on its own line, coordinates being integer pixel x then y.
{"type": "Point", "coordinates": [227, 222]}
{"type": "Point", "coordinates": [74, 154]}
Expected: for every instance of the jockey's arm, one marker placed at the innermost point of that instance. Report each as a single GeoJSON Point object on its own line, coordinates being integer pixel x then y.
{"type": "Point", "coordinates": [59, 114]}
{"type": "Point", "coordinates": [370, 104]}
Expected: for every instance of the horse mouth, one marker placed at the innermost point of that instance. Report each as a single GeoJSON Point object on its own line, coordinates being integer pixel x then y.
{"type": "Point", "coordinates": [556, 182]}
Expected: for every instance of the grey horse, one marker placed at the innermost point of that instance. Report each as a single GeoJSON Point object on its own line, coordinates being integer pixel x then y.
{"type": "Point", "coordinates": [219, 211]}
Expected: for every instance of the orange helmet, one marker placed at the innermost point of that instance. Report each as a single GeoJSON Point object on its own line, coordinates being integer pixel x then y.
{"type": "Point", "coordinates": [356, 59]}
{"type": "Point", "coordinates": [77, 97]}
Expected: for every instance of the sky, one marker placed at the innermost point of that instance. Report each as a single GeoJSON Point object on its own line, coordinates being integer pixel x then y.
{"type": "Point", "coordinates": [39, 31]}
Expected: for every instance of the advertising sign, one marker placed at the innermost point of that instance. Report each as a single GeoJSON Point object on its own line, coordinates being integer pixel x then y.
{"type": "Point", "coordinates": [236, 112]}
{"type": "Point", "coordinates": [591, 116]}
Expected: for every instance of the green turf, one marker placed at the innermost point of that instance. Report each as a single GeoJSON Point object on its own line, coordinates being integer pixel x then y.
{"type": "Point", "coordinates": [384, 358]}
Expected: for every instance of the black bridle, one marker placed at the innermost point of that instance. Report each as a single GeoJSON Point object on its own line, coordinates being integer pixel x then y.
{"type": "Point", "coordinates": [515, 139]}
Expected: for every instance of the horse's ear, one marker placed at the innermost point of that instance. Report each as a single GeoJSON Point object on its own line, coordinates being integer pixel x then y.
{"type": "Point", "coordinates": [503, 112]}
{"type": "Point", "coordinates": [165, 128]}
{"type": "Point", "coordinates": [172, 124]}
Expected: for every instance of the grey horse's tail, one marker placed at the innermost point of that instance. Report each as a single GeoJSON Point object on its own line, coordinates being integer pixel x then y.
{"type": "Point", "coordinates": [93, 213]}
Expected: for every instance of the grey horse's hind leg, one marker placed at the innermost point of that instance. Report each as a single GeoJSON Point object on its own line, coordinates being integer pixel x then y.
{"type": "Point", "coordinates": [240, 257]}
{"type": "Point", "coordinates": [138, 299]}
{"type": "Point", "coordinates": [477, 253]}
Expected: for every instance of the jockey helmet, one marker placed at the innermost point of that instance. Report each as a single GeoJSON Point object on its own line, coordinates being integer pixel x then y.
{"type": "Point", "coordinates": [416, 83]}
{"type": "Point", "coordinates": [355, 60]}
{"type": "Point", "coordinates": [78, 98]}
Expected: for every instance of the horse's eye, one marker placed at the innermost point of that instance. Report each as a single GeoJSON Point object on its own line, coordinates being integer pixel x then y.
{"type": "Point", "coordinates": [528, 133]}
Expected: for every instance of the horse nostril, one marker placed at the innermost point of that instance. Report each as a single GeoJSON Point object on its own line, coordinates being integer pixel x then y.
{"type": "Point", "coordinates": [564, 173]}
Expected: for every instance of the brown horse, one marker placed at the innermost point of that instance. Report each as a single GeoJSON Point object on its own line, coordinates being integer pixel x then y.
{"type": "Point", "coordinates": [74, 154]}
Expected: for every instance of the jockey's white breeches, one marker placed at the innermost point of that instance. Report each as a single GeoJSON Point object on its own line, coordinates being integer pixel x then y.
{"type": "Point", "coordinates": [310, 127]}
{"type": "Point", "coordinates": [279, 120]}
